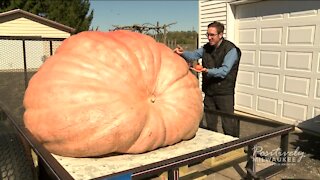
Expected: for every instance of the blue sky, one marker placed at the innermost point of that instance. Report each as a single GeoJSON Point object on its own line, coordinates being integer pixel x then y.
{"type": "Point", "coordinates": [129, 12]}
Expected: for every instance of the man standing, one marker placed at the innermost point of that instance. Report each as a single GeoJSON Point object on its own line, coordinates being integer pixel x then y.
{"type": "Point", "coordinates": [220, 59]}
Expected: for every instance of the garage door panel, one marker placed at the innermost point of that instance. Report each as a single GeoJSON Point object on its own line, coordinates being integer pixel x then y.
{"type": "Point", "coordinates": [268, 81]}
{"type": "Point", "coordinates": [294, 112]}
{"type": "Point", "coordinates": [245, 78]}
{"type": "Point", "coordinates": [316, 111]}
{"type": "Point", "coordinates": [296, 85]}
{"type": "Point", "coordinates": [267, 105]}
{"type": "Point", "coordinates": [244, 89]}
{"type": "Point", "coordinates": [248, 57]}
{"type": "Point", "coordinates": [299, 61]}
{"type": "Point", "coordinates": [247, 36]}
{"type": "Point", "coordinates": [270, 59]}
{"type": "Point", "coordinates": [244, 100]}
{"type": "Point", "coordinates": [271, 36]}
{"type": "Point", "coordinates": [318, 89]}
{"type": "Point", "coordinates": [301, 35]}
{"type": "Point", "coordinates": [318, 62]}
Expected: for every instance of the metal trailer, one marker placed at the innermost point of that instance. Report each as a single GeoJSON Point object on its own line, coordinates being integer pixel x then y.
{"type": "Point", "coordinates": [52, 167]}
{"type": "Point", "coordinates": [16, 141]}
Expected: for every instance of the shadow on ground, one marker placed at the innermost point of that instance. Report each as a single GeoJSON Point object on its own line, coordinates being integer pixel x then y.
{"type": "Point", "coordinates": [307, 143]}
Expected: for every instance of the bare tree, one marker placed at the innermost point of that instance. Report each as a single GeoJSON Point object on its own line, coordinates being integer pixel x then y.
{"type": "Point", "coordinates": [147, 28]}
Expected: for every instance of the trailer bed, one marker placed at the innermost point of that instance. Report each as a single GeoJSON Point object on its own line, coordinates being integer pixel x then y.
{"type": "Point", "coordinates": [89, 168]}
{"type": "Point", "coordinates": [204, 145]}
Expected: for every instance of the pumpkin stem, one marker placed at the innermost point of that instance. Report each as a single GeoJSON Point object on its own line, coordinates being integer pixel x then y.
{"type": "Point", "coordinates": [153, 98]}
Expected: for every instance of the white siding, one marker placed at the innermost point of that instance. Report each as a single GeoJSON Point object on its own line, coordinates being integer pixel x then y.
{"type": "Point", "coordinates": [210, 11]}
{"type": "Point", "coordinates": [26, 27]}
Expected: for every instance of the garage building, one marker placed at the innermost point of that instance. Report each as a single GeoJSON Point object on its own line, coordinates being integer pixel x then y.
{"type": "Point", "coordinates": [279, 73]}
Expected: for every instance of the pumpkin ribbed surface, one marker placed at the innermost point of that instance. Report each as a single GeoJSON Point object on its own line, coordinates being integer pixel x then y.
{"type": "Point", "coordinates": [105, 92]}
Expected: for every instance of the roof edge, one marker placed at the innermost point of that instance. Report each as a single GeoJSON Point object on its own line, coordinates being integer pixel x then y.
{"type": "Point", "coordinates": [37, 18]}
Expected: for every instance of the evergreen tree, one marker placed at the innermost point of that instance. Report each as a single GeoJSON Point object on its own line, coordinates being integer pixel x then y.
{"type": "Point", "coordinates": [72, 13]}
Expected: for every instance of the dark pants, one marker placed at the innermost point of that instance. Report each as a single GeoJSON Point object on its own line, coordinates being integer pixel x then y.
{"type": "Point", "coordinates": [230, 126]}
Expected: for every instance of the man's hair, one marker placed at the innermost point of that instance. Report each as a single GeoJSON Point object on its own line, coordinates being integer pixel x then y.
{"type": "Point", "coordinates": [219, 26]}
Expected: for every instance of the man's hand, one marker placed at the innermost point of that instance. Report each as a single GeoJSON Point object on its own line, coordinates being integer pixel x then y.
{"type": "Point", "coordinates": [203, 70]}
{"type": "Point", "coordinates": [178, 50]}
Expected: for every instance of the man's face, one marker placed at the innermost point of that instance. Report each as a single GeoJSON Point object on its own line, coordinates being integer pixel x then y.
{"type": "Point", "coordinates": [213, 36]}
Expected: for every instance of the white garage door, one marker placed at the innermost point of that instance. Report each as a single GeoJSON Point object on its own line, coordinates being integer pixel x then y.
{"type": "Point", "coordinates": [279, 74]}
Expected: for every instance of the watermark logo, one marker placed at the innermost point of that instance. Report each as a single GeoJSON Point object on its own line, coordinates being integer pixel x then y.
{"type": "Point", "coordinates": [277, 156]}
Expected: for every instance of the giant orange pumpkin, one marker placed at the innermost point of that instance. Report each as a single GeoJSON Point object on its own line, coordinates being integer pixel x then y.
{"type": "Point", "coordinates": [105, 92]}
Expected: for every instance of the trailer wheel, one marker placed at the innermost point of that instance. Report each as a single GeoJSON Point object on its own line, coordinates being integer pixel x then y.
{"type": "Point", "coordinates": [15, 162]}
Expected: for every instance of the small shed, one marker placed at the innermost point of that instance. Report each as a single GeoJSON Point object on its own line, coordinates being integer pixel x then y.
{"type": "Point", "coordinates": [27, 39]}
{"type": "Point", "coordinates": [21, 23]}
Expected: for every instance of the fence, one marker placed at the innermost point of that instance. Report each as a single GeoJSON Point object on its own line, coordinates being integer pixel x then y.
{"type": "Point", "coordinates": [20, 57]}
{"type": "Point", "coordinates": [24, 55]}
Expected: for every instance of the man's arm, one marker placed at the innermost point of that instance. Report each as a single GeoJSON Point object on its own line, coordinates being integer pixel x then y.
{"type": "Point", "coordinates": [192, 55]}
{"type": "Point", "coordinates": [228, 61]}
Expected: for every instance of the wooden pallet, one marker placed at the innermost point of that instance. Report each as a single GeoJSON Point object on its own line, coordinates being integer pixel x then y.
{"type": "Point", "coordinates": [225, 158]}
{"type": "Point", "coordinates": [222, 160]}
